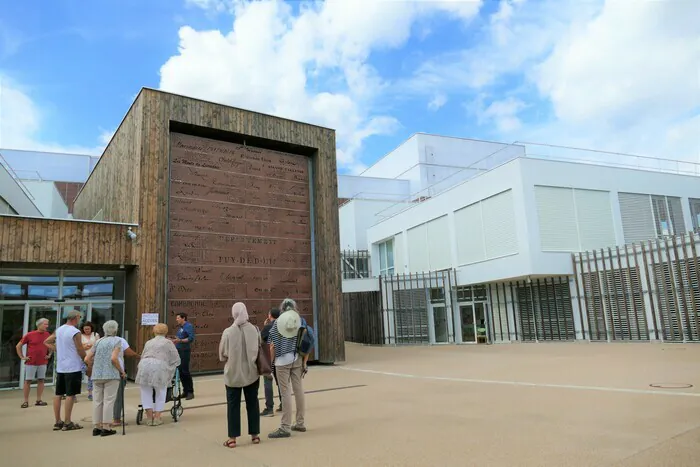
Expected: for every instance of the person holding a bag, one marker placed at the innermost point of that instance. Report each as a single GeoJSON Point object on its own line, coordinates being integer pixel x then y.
{"type": "Point", "coordinates": [239, 349]}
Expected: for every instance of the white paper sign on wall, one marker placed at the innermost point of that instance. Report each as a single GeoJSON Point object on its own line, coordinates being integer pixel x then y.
{"type": "Point", "coordinates": [149, 319]}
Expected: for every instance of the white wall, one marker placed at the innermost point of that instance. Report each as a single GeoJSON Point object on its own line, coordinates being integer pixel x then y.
{"type": "Point", "coordinates": [444, 159]}
{"type": "Point", "coordinates": [415, 220]}
{"type": "Point", "coordinates": [354, 186]}
{"type": "Point", "coordinates": [13, 194]}
{"type": "Point", "coordinates": [593, 221]}
{"type": "Point", "coordinates": [594, 177]}
{"type": "Point", "coordinates": [356, 217]}
{"type": "Point", "coordinates": [47, 199]}
{"type": "Point", "coordinates": [396, 163]}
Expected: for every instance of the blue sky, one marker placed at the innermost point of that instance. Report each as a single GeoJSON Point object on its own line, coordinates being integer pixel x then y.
{"type": "Point", "coordinates": [591, 74]}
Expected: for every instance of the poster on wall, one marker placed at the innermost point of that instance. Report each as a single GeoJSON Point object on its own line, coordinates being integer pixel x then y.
{"type": "Point", "coordinates": [149, 319]}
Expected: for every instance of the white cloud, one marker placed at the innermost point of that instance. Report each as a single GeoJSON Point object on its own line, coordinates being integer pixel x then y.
{"type": "Point", "coordinates": [21, 121]}
{"type": "Point", "coordinates": [617, 75]}
{"type": "Point", "coordinates": [501, 113]}
{"type": "Point", "coordinates": [437, 102]}
{"type": "Point", "coordinates": [311, 67]}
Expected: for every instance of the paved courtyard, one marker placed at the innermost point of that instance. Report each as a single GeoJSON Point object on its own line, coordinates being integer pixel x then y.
{"type": "Point", "coordinates": [508, 405]}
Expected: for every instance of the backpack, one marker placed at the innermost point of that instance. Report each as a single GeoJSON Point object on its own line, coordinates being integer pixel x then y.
{"type": "Point", "coordinates": [305, 339]}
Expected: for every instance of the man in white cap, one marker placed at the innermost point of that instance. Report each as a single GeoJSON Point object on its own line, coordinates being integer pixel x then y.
{"type": "Point", "coordinates": [289, 366]}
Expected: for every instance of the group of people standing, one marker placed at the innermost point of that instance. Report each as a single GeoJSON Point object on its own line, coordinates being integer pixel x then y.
{"type": "Point", "coordinates": [240, 347]}
{"type": "Point", "coordinates": [81, 352]}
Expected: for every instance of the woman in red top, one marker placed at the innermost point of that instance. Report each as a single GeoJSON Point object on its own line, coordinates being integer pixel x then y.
{"type": "Point", "coordinates": [35, 361]}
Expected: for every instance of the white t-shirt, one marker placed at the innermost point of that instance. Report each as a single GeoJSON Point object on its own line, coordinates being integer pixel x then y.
{"type": "Point", "coordinates": [67, 358]}
{"type": "Point", "coordinates": [125, 345]}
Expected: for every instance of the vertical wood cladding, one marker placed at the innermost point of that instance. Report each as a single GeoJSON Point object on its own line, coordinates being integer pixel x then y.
{"type": "Point", "coordinates": [113, 186]}
{"type": "Point", "coordinates": [48, 241]}
{"type": "Point", "coordinates": [161, 110]}
{"type": "Point", "coordinates": [239, 231]}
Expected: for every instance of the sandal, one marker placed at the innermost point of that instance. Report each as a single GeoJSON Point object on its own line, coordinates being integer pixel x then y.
{"type": "Point", "coordinates": [71, 427]}
{"type": "Point", "coordinates": [230, 443]}
{"type": "Point", "coordinates": [256, 439]}
{"type": "Point", "coordinates": [58, 426]}
{"type": "Point", "coordinates": [25, 405]}
{"type": "Point", "coordinates": [41, 403]}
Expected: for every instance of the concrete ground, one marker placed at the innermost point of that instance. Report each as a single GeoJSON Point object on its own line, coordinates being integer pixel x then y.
{"type": "Point", "coordinates": [506, 405]}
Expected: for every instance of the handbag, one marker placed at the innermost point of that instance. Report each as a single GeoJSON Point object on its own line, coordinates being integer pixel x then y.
{"type": "Point", "coordinates": [263, 361]}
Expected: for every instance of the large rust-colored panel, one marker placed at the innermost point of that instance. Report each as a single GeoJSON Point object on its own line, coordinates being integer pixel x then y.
{"type": "Point", "coordinates": [239, 231]}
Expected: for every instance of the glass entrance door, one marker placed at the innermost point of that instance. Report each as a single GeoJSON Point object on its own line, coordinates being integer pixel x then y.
{"type": "Point", "coordinates": [473, 317]}
{"type": "Point", "coordinates": [37, 312]}
{"type": "Point", "coordinates": [11, 332]}
{"type": "Point", "coordinates": [440, 324]}
{"type": "Point", "coordinates": [468, 327]}
{"type": "Point", "coordinates": [480, 320]}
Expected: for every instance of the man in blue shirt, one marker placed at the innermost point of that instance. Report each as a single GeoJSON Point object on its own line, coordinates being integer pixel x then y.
{"type": "Point", "coordinates": [183, 342]}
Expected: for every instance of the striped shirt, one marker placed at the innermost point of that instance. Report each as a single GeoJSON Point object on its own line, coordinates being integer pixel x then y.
{"type": "Point", "coordinates": [285, 347]}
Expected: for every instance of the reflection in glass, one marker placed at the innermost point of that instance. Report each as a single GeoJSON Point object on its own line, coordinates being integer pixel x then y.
{"type": "Point", "coordinates": [102, 287]}
{"type": "Point", "coordinates": [11, 332]}
{"type": "Point", "coordinates": [65, 309]}
{"type": "Point", "coordinates": [102, 313]}
{"type": "Point", "coordinates": [440, 323]}
{"type": "Point", "coordinates": [468, 328]}
{"type": "Point", "coordinates": [29, 287]}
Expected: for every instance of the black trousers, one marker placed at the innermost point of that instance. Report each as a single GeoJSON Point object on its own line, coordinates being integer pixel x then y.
{"type": "Point", "coordinates": [252, 407]}
{"type": "Point", "coordinates": [184, 368]}
{"type": "Point", "coordinates": [269, 395]}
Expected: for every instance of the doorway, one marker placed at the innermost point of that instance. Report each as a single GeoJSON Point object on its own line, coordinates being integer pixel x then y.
{"type": "Point", "coordinates": [17, 319]}
{"type": "Point", "coordinates": [473, 320]}
{"type": "Point", "coordinates": [440, 324]}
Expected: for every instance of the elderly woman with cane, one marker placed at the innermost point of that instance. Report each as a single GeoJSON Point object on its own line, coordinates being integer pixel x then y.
{"type": "Point", "coordinates": [239, 348]}
{"type": "Point", "coordinates": [106, 372]}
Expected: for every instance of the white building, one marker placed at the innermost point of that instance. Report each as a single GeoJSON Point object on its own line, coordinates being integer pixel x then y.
{"type": "Point", "coordinates": [506, 222]}
{"type": "Point", "coordinates": [48, 182]}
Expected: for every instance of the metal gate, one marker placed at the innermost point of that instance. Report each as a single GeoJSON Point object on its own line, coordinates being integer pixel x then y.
{"type": "Point", "coordinates": [408, 301]}
{"type": "Point", "coordinates": [641, 291]}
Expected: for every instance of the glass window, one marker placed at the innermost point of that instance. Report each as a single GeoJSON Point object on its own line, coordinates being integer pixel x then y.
{"type": "Point", "coordinates": [28, 287]}
{"type": "Point", "coordinates": [390, 254]}
{"type": "Point", "coordinates": [386, 258]}
{"type": "Point", "coordinates": [105, 286]}
{"type": "Point", "coordinates": [103, 312]}
{"type": "Point", "coordinates": [437, 295]}
{"type": "Point", "coordinates": [695, 213]}
{"type": "Point", "coordinates": [382, 256]}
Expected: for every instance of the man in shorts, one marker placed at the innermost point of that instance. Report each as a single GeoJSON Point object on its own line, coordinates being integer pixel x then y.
{"type": "Point", "coordinates": [70, 355]}
{"type": "Point", "coordinates": [35, 361]}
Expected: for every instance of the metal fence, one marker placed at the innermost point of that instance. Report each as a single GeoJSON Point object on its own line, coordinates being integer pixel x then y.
{"type": "Point", "coordinates": [418, 308]}
{"type": "Point", "coordinates": [355, 264]}
{"type": "Point", "coordinates": [643, 291]}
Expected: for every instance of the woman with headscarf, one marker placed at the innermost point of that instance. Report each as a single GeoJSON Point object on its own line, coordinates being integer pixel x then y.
{"type": "Point", "coordinates": [239, 347]}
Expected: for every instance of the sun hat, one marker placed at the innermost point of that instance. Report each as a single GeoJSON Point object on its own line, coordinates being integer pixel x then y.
{"type": "Point", "coordinates": [288, 324]}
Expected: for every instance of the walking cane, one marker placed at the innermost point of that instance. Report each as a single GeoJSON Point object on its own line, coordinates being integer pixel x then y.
{"type": "Point", "coordinates": [122, 386]}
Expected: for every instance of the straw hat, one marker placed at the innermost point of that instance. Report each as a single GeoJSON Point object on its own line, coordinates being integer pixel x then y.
{"type": "Point", "coordinates": [288, 324]}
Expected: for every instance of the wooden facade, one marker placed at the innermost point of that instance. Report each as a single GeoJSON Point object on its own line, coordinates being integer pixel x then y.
{"type": "Point", "coordinates": [34, 241]}
{"type": "Point", "coordinates": [131, 183]}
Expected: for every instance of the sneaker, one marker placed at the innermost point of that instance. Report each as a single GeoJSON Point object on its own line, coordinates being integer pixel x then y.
{"type": "Point", "coordinates": [90, 397]}
{"type": "Point", "coordinates": [279, 433]}
{"type": "Point", "coordinates": [299, 428]}
{"type": "Point", "coordinates": [268, 412]}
